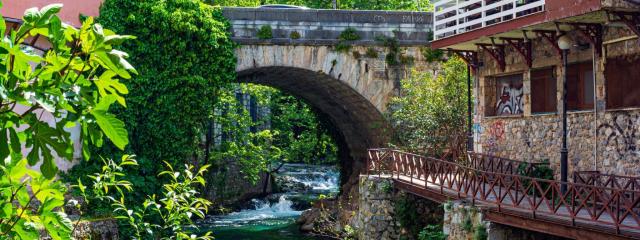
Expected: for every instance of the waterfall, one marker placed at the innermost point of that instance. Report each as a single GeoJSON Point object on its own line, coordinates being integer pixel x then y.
{"type": "Point", "coordinates": [299, 184]}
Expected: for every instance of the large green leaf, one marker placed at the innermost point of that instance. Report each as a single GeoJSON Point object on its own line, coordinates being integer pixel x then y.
{"type": "Point", "coordinates": [107, 85]}
{"type": "Point", "coordinates": [46, 140]}
{"type": "Point", "coordinates": [112, 127]}
{"type": "Point", "coordinates": [4, 145]}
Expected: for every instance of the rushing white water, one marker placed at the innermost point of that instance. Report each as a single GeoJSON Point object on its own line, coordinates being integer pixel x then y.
{"type": "Point", "coordinates": [263, 210]}
{"type": "Point", "coordinates": [316, 179]}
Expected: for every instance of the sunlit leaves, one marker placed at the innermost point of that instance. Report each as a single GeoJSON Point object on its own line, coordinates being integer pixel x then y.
{"type": "Point", "coordinates": [112, 127]}
{"type": "Point", "coordinates": [23, 187]}
{"type": "Point", "coordinates": [42, 96]}
{"type": "Point", "coordinates": [168, 216]}
{"type": "Point", "coordinates": [58, 85]}
{"type": "Point", "coordinates": [430, 113]}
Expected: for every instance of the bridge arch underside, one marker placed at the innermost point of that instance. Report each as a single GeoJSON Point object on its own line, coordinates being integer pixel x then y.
{"type": "Point", "coordinates": [357, 123]}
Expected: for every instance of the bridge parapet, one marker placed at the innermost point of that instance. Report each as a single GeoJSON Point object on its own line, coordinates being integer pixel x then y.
{"type": "Point", "coordinates": [322, 27]}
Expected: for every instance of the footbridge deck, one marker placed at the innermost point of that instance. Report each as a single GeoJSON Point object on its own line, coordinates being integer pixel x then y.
{"type": "Point", "coordinates": [586, 210]}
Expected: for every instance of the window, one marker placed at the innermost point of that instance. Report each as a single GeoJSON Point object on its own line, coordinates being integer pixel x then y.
{"type": "Point", "coordinates": [543, 91]}
{"type": "Point", "coordinates": [623, 86]}
{"type": "Point", "coordinates": [580, 86]}
{"type": "Point", "coordinates": [509, 95]}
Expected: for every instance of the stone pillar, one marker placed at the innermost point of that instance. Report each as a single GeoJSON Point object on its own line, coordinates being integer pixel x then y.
{"type": "Point", "coordinates": [526, 92]}
{"type": "Point", "coordinates": [600, 98]}
{"type": "Point", "coordinates": [477, 118]}
{"type": "Point", "coordinates": [481, 111]}
{"type": "Point", "coordinates": [464, 221]}
{"type": "Point", "coordinates": [374, 219]}
{"type": "Point", "coordinates": [559, 87]}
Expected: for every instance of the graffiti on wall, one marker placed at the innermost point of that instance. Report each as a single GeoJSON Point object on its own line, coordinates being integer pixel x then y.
{"type": "Point", "coordinates": [621, 134]}
{"type": "Point", "coordinates": [510, 100]}
{"type": "Point", "coordinates": [495, 135]}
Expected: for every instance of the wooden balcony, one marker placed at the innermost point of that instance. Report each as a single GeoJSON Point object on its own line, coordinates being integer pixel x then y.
{"type": "Point", "coordinates": [454, 17]}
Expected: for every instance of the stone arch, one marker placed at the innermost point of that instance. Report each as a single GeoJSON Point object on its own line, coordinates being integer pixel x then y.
{"type": "Point", "coordinates": [347, 90]}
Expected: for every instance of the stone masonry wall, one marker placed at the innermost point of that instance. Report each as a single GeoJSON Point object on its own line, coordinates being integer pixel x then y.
{"type": "Point", "coordinates": [374, 218]}
{"type": "Point", "coordinates": [378, 217]}
{"type": "Point", "coordinates": [539, 137]}
{"type": "Point", "coordinates": [103, 229]}
{"type": "Point", "coordinates": [463, 221]}
{"type": "Point", "coordinates": [534, 137]}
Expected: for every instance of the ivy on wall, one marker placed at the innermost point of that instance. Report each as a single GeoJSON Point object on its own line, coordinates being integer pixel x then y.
{"type": "Point", "coordinates": [184, 54]}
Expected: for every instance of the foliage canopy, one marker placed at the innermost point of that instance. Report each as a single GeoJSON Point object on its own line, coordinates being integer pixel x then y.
{"type": "Point", "coordinates": [173, 98]}
{"type": "Point", "coordinates": [430, 114]}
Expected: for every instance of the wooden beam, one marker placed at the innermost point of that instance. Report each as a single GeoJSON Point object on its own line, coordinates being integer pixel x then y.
{"type": "Point", "coordinates": [469, 57]}
{"type": "Point", "coordinates": [523, 46]}
{"type": "Point", "coordinates": [549, 227]}
{"type": "Point", "coordinates": [496, 51]}
{"type": "Point", "coordinates": [552, 39]}
{"type": "Point", "coordinates": [631, 20]}
{"type": "Point", "coordinates": [592, 32]}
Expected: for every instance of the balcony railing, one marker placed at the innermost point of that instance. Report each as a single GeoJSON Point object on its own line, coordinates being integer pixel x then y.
{"type": "Point", "coordinates": [453, 17]}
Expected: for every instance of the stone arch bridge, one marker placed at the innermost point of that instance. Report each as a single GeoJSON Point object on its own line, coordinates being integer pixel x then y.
{"type": "Point", "coordinates": [350, 86]}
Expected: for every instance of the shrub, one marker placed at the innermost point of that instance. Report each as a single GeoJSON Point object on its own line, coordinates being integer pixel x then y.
{"type": "Point", "coordinates": [387, 187]}
{"type": "Point", "coordinates": [432, 232]}
{"type": "Point", "coordinates": [169, 217]}
{"type": "Point", "coordinates": [349, 34]}
{"type": "Point", "coordinates": [467, 223]}
{"type": "Point", "coordinates": [294, 35]}
{"type": "Point", "coordinates": [169, 103]}
{"type": "Point", "coordinates": [265, 32]}
{"type": "Point", "coordinates": [429, 114]}
{"type": "Point", "coordinates": [346, 36]}
{"type": "Point", "coordinates": [405, 210]}
{"type": "Point", "coordinates": [538, 171]}
{"type": "Point", "coordinates": [432, 55]}
{"type": "Point", "coordinates": [480, 233]}
{"type": "Point", "coordinates": [371, 53]}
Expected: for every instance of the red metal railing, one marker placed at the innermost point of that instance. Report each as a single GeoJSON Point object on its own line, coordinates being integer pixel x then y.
{"type": "Point", "coordinates": [503, 191]}
{"type": "Point", "coordinates": [607, 180]}
{"type": "Point", "coordinates": [495, 164]}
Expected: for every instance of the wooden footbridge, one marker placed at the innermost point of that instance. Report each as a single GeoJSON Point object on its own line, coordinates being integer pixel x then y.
{"type": "Point", "coordinates": [594, 205]}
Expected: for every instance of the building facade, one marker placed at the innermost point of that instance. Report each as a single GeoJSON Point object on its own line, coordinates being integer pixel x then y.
{"type": "Point", "coordinates": [513, 48]}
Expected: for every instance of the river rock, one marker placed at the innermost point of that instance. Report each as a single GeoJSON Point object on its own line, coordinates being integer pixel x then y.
{"type": "Point", "coordinates": [290, 184]}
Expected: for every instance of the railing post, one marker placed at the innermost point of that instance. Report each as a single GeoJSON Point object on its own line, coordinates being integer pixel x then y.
{"type": "Point", "coordinates": [411, 169]}
{"type": "Point", "coordinates": [426, 173]}
{"type": "Point", "coordinates": [369, 163]}
{"type": "Point", "coordinates": [618, 214]}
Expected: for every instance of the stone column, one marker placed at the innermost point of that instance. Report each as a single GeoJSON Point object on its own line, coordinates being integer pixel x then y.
{"type": "Point", "coordinates": [374, 219]}
{"type": "Point", "coordinates": [600, 99]}
{"type": "Point", "coordinates": [526, 91]}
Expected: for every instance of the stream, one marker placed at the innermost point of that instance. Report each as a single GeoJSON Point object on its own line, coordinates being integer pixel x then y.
{"type": "Point", "coordinates": [274, 216]}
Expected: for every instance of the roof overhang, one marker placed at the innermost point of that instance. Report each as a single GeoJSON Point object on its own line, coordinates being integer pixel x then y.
{"type": "Point", "coordinates": [577, 11]}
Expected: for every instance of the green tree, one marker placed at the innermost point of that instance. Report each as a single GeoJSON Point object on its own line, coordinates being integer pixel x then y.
{"type": "Point", "coordinates": [244, 141]}
{"type": "Point", "coordinates": [187, 55]}
{"type": "Point", "coordinates": [76, 81]}
{"type": "Point", "coordinates": [430, 114]}
{"type": "Point", "coordinates": [303, 135]}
